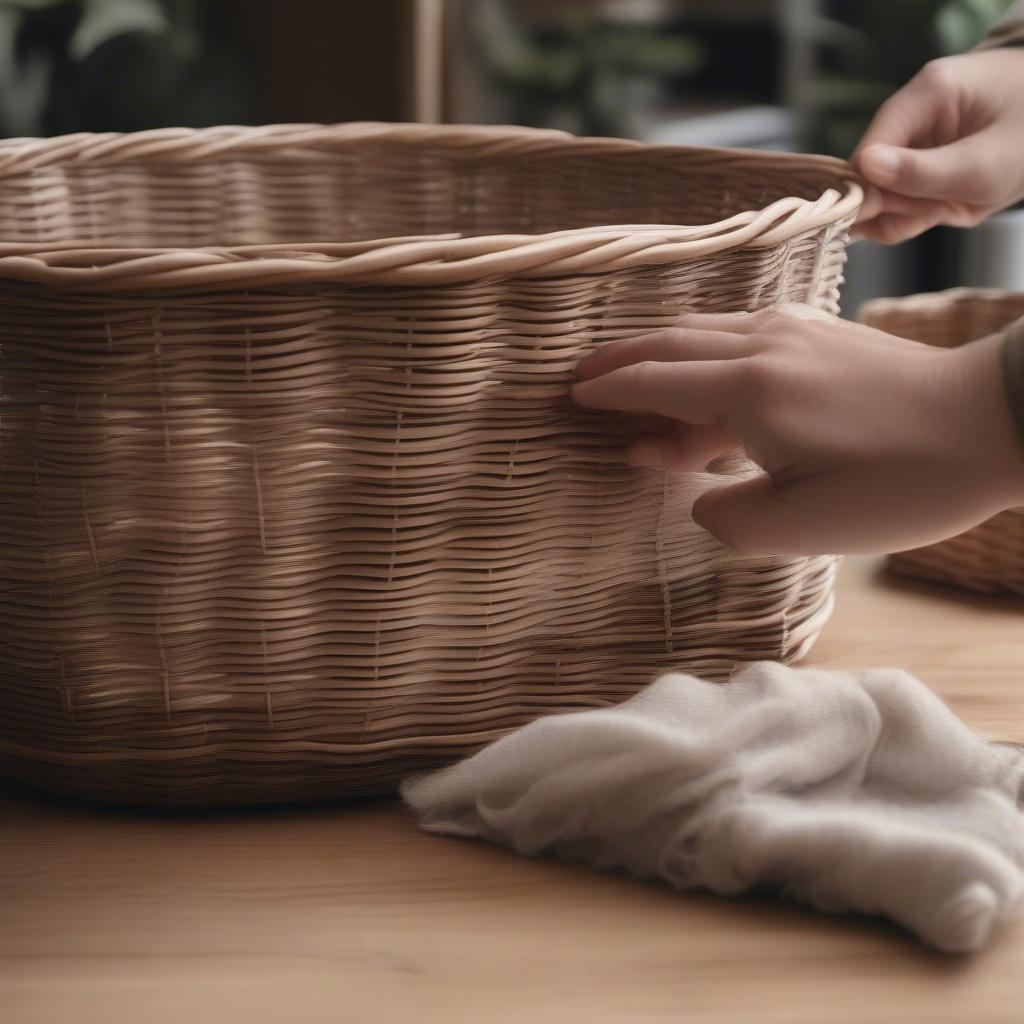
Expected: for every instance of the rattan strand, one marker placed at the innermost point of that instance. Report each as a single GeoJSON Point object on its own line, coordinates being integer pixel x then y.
{"type": "Point", "coordinates": [295, 501]}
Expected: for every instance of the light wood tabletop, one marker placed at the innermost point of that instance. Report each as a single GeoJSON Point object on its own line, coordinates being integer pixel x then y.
{"type": "Point", "coordinates": [349, 914]}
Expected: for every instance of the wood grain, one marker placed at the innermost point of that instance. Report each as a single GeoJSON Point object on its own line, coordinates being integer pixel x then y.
{"type": "Point", "coordinates": [348, 913]}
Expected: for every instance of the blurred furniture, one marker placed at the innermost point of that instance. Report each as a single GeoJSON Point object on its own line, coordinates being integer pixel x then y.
{"type": "Point", "coordinates": [349, 913]}
{"type": "Point", "coordinates": [327, 61]}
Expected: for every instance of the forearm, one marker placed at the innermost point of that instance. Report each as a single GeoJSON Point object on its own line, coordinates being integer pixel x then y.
{"type": "Point", "coordinates": [1013, 372]}
{"type": "Point", "coordinates": [1009, 31]}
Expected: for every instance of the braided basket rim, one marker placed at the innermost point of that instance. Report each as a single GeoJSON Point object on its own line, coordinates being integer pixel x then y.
{"type": "Point", "coordinates": [409, 260]}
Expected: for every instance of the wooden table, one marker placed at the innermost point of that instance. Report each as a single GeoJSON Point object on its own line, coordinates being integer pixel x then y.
{"type": "Point", "coordinates": [349, 914]}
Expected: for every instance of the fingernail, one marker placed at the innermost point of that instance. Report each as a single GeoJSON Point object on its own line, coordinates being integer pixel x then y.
{"type": "Point", "coordinates": [647, 456]}
{"type": "Point", "coordinates": [883, 160]}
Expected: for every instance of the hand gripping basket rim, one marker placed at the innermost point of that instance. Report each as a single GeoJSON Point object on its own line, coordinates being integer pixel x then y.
{"type": "Point", "coordinates": [412, 260]}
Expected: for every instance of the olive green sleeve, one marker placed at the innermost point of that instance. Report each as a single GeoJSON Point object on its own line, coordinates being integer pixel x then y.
{"type": "Point", "coordinates": [1013, 372]}
{"type": "Point", "coordinates": [1007, 32]}
{"type": "Point", "coordinates": [1010, 32]}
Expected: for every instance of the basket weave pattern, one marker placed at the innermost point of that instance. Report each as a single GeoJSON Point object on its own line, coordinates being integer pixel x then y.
{"type": "Point", "coordinates": [989, 557]}
{"type": "Point", "coordinates": [295, 501]}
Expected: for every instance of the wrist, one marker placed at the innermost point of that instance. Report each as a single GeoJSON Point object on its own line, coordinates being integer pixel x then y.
{"type": "Point", "coordinates": [1011, 361]}
{"type": "Point", "coordinates": [986, 412]}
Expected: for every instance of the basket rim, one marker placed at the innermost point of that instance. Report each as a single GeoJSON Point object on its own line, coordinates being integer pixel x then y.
{"type": "Point", "coordinates": [935, 302]}
{"type": "Point", "coordinates": [78, 265]}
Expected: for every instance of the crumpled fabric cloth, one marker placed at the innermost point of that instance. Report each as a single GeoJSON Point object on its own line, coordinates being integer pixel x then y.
{"type": "Point", "coordinates": [852, 791]}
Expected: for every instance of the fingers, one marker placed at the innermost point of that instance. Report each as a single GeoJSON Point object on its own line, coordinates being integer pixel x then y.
{"type": "Point", "coordinates": [695, 336]}
{"type": "Point", "coordinates": [893, 202]}
{"type": "Point", "coordinates": [690, 373]}
{"type": "Point", "coordinates": [952, 172]}
{"type": "Point", "coordinates": [754, 518]}
{"type": "Point", "coordinates": [896, 218]}
{"type": "Point", "coordinates": [668, 346]}
{"type": "Point", "coordinates": [891, 228]}
{"type": "Point", "coordinates": [817, 515]}
{"type": "Point", "coordinates": [905, 217]}
{"type": "Point", "coordinates": [687, 449]}
{"type": "Point", "coordinates": [872, 204]}
{"type": "Point", "coordinates": [693, 392]}
{"type": "Point", "coordinates": [920, 183]}
{"type": "Point", "coordinates": [904, 119]}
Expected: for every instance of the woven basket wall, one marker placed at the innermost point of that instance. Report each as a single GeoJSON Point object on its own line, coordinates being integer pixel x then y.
{"type": "Point", "coordinates": [294, 498]}
{"type": "Point", "coordinates": [990, 557]}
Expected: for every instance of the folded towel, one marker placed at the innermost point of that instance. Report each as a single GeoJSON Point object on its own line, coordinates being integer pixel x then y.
{"type": "Point", "coordinates": [848, 790]}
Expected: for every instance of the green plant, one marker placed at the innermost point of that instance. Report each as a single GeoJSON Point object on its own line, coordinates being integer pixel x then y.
{"type": "Point", "coordinates": [71, 65]}
{"type": "Point", "coordinates": [959, 24]}
{"type": "Point", "coordinates": [589, 61]}
{"type": "Point", "coordinates": [874, 50]}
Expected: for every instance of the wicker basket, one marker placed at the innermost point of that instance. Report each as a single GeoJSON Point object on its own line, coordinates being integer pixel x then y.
{"type": "Point", "coordinates": [989, 557]}
{"type": "Point", "coordinates": [294, 499]}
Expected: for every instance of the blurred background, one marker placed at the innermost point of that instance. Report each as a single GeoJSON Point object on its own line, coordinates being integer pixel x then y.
{"type": "Point", "coordinates": [778, 74]}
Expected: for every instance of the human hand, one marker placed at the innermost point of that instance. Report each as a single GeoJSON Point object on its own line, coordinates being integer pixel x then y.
{"type": "Point", "coordinates": [947, 148]}
{"type": "Point", "coordinates": [868, 442]}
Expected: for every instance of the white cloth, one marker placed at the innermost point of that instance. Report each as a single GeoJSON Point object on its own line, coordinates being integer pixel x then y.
{"type": "Point", "coordinates": [848, 790]}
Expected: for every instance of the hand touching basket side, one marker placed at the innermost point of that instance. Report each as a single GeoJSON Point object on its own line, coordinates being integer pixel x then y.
{"type": "Point", "coordinates": [868, 442]}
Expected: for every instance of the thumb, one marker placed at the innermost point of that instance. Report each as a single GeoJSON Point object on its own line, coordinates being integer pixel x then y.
{"type": "Point", "coordinates": [949, 173]}
{"type": "Point", "coordinates": [753, 517]}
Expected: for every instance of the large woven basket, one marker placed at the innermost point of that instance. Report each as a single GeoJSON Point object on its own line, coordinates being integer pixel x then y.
{"type": "Point", "coordinates": [294, 498]}
{"type": "Point", "coordinates": [990, 557]}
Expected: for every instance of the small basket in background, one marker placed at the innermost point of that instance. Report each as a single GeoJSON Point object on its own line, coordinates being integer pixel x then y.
{"type": "Point", "coordinates": [989, 557]}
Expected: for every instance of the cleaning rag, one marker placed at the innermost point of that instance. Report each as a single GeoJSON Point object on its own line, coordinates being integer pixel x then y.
{"type": "Point", "coordinates": [848, 790]}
